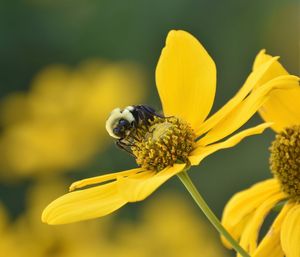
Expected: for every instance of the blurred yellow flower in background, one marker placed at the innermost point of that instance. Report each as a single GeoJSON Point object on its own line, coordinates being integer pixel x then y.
{"type": "Point", "coordinates": [161, 228]}
{"type": "Point", "coordinates": [59, 123]}
{"type": "Point", "coordinates": [246, 211]}
{"type": "Point", "coordinates": [173, 227]}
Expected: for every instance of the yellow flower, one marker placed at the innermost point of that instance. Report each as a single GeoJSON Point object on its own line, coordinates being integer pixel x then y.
{"type": "Point", "coordinates": [245, 212]}
{"type": "Point", "coordinates": [58, 124]}
{"type": "Point", "coordinates": [186, 83]}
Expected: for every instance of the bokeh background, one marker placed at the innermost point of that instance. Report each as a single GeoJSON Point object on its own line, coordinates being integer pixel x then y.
{"type": "Point", "coordinates": [65, 64]}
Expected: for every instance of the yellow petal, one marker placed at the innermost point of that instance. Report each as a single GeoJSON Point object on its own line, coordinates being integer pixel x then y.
{"type": "Point", "coordinates": [253, 80]}
{"type": "Point", "coordinates": [237, 230]}
{"type": "Point", "coordinates": [244, 203]}
{"type": "Point", "coordinates": [276, 69]}
{"type": "Point", "coordinates": [138, 187]}
{"type": "Point", "coordinates": [247, 108]}
{"type": "Point", "coordinates": [201, 152]}
{"type": "Point", "coordinates": [84, 204]}
{"type": "Point", "coordinates": [186, 78]}
{"type": "Point", "coordinates": [290, 232]}
{"type": "Point", "coordinates": [130, 186]}
{"type": "Point", "coordinates": [103, 178]}
{"type": "Point", "coordinates": [282, 107]}
{"type": "Point", "coordinates": [270, 244]}
{"type": "Point", "coordinates": [248, 200]}
{"type": "Point", "coordinates": [249, 236]}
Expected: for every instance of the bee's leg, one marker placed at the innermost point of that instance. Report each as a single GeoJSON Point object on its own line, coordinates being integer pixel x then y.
{"type": "Point", "coordinates": [134, 137]}
{"type": "Point", "coordinates": [129, 144]}
{"type": "Point", "coordinates": [134, 133]}
{"type": "Point", "coordinates": [124, 147]}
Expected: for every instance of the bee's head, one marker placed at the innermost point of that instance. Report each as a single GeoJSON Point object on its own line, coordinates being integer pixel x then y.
{"type": "Point", "coordinates": [119, 122]}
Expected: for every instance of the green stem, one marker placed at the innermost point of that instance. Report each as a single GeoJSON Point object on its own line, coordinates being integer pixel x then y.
{"type": "Point", "coordinates": [185, 179]}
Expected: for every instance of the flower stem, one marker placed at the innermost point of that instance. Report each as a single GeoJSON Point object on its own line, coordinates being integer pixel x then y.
{"type": "Point", "coordinates": [187, 182]}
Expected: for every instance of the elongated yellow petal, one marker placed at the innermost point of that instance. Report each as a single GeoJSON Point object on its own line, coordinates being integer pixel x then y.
{"type": "Point", "coordinates": [254, 197]}
{"type": "Point", "coordinates": [290, 232]}
{"type": "Point", "coordinates": [138, 187]}
{"type": "Point", "coordinates": [247, 108]}
{"type": "Point", "coordinates": [249, 236]}
{"type": "Point", "coordinates": [186, 78]}
{"type": "Point", "coordinates": [129, 186]}
{"type": "Point", "coordinates": [201, 152]}
{"type": "Point", "coordinates": [84, 204]}
{"type": "Point", "coordinates": [253, 80]}
{"type": "Point", "coordinates": [270, 244]}
{"type": "Point", "coordinates": [243, 204]}
{"type": "Point", "coordinates": [282, 106]}
{"type": "Point", "coordinates": [103, 178]}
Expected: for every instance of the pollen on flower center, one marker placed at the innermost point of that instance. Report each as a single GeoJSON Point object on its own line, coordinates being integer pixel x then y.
{"type": "Point", "coordinates": [164, 142]}
{"type": "Point", "coordinates": [285, 161]}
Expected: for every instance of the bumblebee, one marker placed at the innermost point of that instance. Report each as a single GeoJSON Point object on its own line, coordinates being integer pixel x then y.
{"type": "Point", "coordinates": [122, 124]}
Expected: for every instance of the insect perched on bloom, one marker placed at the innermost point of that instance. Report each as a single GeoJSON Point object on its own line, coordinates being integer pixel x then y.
{"type": "Point", "coordinates": [245, 212]}
{"type": "Point", "coordinates": [186, 83]}
{"type": "Point", "coordinates": [123, 125]}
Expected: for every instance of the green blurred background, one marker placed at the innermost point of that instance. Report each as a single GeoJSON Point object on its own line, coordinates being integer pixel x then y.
{"type": "Point", "coordinates": [125, 38]}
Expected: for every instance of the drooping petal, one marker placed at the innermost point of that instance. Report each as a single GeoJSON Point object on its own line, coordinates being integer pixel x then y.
{"type": "Point", "coordinates": [282, 106]}
{"type": "Point", "coordinates": [201, 152]}
{"type": "Point", "coordinates": [186, 78]}
{"type": "Point", "coordinates": [138, 187]}
{"type": "Point", "coordinates": [237, 230]}
{"type": "Point", "coordinates": [84, 204]}
{"type": "Point", "coordinates": [253, 80]}
{"type": "Point", "coordinates": [276, 70]}
{"type": "Point", "coordinates": [247, 108]}
{"type": "Point", "coordinates": [250, 234]}
{"type": "Point", "coordinates": [270, 244]}
{"type": "Point", "coordinates": [243, 204]}
{"type": "Point", "coordinates": [290, 232]}
{"type": "Point", "coordinates": [103, 178]}
{"type": "Point", "coordinates": [129, 186]}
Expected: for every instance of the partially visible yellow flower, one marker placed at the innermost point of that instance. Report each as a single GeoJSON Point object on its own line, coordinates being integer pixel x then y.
{"type": "Point", "coordinates": [58, 124]}
{"type": "Point", "coordinates": [245, 212]}
{"type": "Point", "coordinates": [186, 83]}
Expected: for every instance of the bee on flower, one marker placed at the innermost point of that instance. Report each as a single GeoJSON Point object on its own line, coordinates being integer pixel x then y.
{"type": "Point", "coordinates": [169, 144]}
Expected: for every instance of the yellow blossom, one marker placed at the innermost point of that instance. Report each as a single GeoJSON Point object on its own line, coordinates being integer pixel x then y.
{"type": "Point", "coordinates": [58, 124]}
{"type": "Point", "coordinates": [186, 83]}
{"type": "Point", "coordinates": [245, 212]}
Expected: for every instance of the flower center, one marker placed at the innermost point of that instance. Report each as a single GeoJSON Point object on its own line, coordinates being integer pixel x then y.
{"type": "Point", "coordinates": [285, 161]}
{"type": "Point", "coordinates": [164, 142]}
